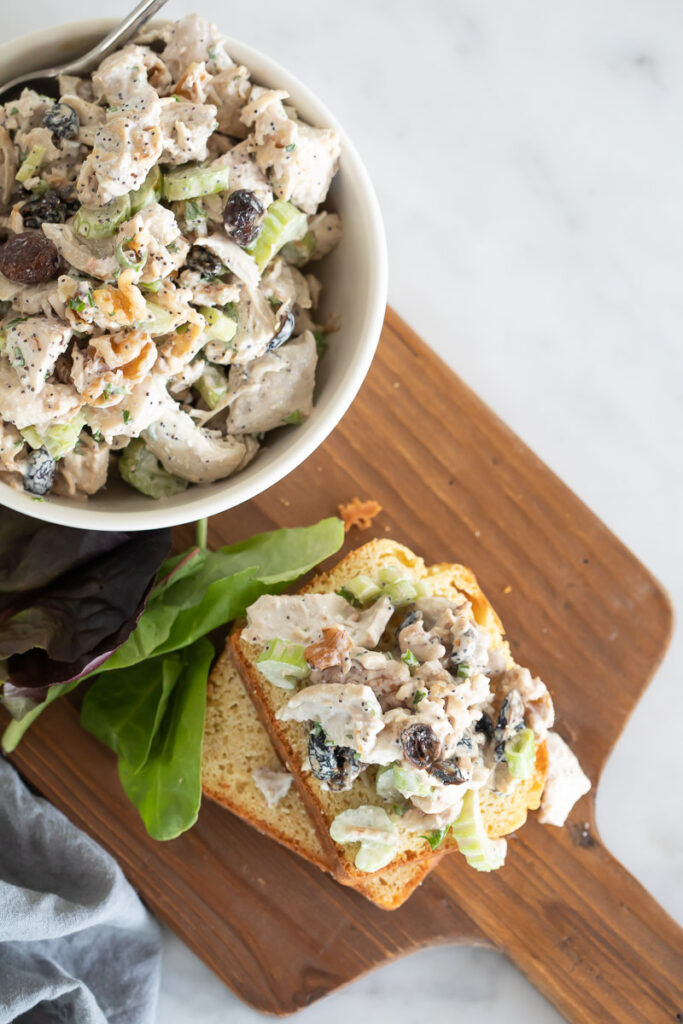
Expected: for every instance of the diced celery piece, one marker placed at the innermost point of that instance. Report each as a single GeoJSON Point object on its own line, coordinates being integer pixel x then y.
{"type": "Point", "coordinates": [212, 385]}
{"type": "Point", "coordinates": [363, 589]}
{"type": "Point", "coordinates": [385, 785]}
{"type": "Point", "coordinates": [5, 308]}
{"type": "Point", "coordinates": [298, 253]}
{"type": "Point", "coordinates": [283, 223]}
{"type": "Point", "coordinates": [409, 783]}
{"type": "Point", "coordinates": [374, 856]}
{"type": "Point", "coordinates": [421, 589]}
{"type": "Point", "coordinates": [320, 343]}
{"type": "Point", "coordinates": [372, 827]}
{"type": "Point", "coordinates": [193, 215]}
{"type": "Point", "coordinates": [102, 221]}
{"type": "Point", "coordinates": [283, 664]}
{"type": "Point", "coordinates": [30, 164]}
{"type": "Point", "coordinates": [16, 358]}
{"type": "Point", "coordinates": [463, 671]}
{"type": "Point", "coordinates": [397, 585]}
{"type": "Point", "coordinates": [400, 593]}
{"type": "Point", "coordinates": [59, 439]}
{"type": "Point", "coordinates": [158, 319]}
{"type": "Point", "coordinates": [480, 852]}
{"type": "Point", "coordinates": [409, 659]}
{"type": "Point", "coordinates": [191, 182]}
{"type": "Point", "coordinates": [294, 419]}
{"type": "Point", "coordinates": [150, 286]}
{"type": "Point", "coordinates": [142, 470]}
{"type": "Point", "coordinates": [125, 257]}
{"type": "Point", "coordinates": [520, 754]}
{"type": "Point", "coordinates": [391, 574]}
{"type": "Point", "coordinates": [219, 326]}
{"type": "Point", "coordinates": [149, 191]}
{"type": "Point", "coordinates": [348, 596]}
{"type": "Point", "coordinates": [365, 824]}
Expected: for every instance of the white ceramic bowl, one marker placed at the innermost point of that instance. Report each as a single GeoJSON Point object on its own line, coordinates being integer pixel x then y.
{"type": "Point", "coordinates": [355, 284]}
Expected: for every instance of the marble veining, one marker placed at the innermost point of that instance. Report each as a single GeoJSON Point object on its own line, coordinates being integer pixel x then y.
{"type": "Point", "coordinates": [528, 161]}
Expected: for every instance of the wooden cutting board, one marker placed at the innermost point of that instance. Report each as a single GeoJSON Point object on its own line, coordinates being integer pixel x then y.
{"type": "Point", "coordinates": [580, 611]}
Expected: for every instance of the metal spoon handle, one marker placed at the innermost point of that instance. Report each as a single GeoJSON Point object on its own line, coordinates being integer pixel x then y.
{"type": "Point", "coordinates": [117, 37]}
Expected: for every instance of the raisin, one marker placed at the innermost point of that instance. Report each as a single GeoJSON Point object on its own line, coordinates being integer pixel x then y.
{"type": "Point", "coordinates": [337, 766]}
{"type": "Point", "coordinates": [285, 332]}
{"type": "Point", "coordinates": [63, 368]}
{"type": "Point", "coordinates": [511, 715]}
{"type": "Point", "coordinates": [204, 261]}
{"type": "Point", "coordinates": [420, 744]}
{"type": "Point", "coordinates": [499, 752]}
{"type": "Point", "coordinates": [70, 200]}
{"type": "Point", "coordinates": [410, 618]}
{"type": "Point", "coordinates": [48, 209]}
{"type": "Point", "coordinates": [485, 725]}
{"type": "Point", "coordinates": [39, 474]}
{"type": "Point", "coordinates": [449, 772]}
{"type": "Point", "coordinates": [242, 215]}
{"type": "Point", "coordinates": [29, 258]}
{"type": "Point", "coordinates": [62, 121]}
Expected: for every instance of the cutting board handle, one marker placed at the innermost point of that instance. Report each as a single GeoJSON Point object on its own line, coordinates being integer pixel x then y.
{"type": "Point", "coordinates": [583, 930]}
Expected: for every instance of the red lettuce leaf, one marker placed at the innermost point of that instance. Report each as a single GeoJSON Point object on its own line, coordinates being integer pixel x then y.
{"type": "Point", "coordinates": [33, 554]}
{"type": "Point", "coordinates": [87, 592]}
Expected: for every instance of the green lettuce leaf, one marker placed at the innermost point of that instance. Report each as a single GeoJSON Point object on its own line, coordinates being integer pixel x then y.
{"type": "Point", "coordinates": [124, 709]}
{"type": "Point", "coordinates": [215, 587]}
{"type": "Point", "coordinates": [167, 788]}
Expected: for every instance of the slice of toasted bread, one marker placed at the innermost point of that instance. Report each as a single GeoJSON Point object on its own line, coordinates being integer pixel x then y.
{"type": "Point", "coordinates": [236, 743]}
{"type": "Point", "coordinates": [290, 739]}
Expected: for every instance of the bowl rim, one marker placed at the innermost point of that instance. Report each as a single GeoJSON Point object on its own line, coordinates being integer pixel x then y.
{"type": "Point", "coordinates": [199, 503]}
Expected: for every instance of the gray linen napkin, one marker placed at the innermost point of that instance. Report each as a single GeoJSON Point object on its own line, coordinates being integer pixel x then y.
{"type": "Point", "coordinates": [76, 943]}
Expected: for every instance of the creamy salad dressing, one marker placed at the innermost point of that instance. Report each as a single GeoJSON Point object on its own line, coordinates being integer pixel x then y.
{"type": "Point", "coordinates": [162, 207]}
{"type": "Point", "coordinates": [565, 784]}
{"type": "Point", "coordinates": [303, 617]}
{"type": "Point", "coordinates": [419, 695]}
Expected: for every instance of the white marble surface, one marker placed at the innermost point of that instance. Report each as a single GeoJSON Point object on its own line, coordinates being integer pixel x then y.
{"type": "Point", "coordinates": [529, 163]}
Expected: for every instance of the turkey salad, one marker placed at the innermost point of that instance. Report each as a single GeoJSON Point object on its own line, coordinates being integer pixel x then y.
{"type": "Point", "coordinates": [157, 313]}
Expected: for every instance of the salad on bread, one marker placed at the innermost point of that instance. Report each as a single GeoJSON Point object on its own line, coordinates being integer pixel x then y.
{"type": "Point", "coordinates": [402, 681]}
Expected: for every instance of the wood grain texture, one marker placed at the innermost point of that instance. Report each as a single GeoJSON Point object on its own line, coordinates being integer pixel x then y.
{"type": "Point", "coordinates": [456, 484]}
